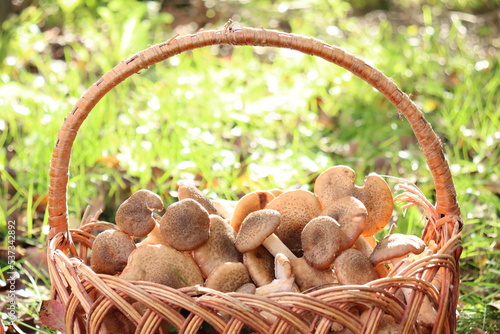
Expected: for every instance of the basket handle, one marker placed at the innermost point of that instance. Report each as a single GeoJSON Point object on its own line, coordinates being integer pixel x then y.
{"type": "Point", "coordinates": [446, 202]}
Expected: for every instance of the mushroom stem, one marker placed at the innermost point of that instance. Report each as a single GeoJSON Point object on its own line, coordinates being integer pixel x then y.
{"type": "Point", "coordinates": [274, 245]}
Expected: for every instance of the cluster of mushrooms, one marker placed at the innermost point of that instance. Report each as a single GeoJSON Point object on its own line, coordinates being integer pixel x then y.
{"type": "Point", "coordinates": [268, 241]}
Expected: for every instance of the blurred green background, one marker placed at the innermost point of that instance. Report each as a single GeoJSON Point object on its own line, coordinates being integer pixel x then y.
{"type": "Point", "coordinates": [240, 119]}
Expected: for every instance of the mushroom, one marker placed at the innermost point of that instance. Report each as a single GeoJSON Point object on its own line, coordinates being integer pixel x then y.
{"type": "Point", "coordinates": [251, 202]}
{"type": "Point", "coordinates": [155, 237]}
{"type": "Point", "coordinates": [364, 245]}
{"type": "Point", "coordinates": [185, 225]}
{"type": "Point", "coordinates": [321, 240]}
{"type": "Point", "coordinates": [164, 265]}
{"type": "Point", "coordinates": [307, 277]}
{"type": "Point", "coordinates": [353, 267]}
{"type": "Point", "coordinates": [110, 252]}
{"type": "Point", "coordinates": [224, 207]}
{"type": "Point", "coordinates": [297, 208]}
{"type": "Point", "coordinates": [396, 247]}
{"type": "Point", "coordinates": [284, 281]}
{"type": "Point", "coordinates": [188, 190]}
{"type": "Point", "coordinates": [134, 216]}
{"type": "Point", "coordinates": [338, 181]}
{"type": "Point", "coordinates": [248, 288]}
{"type": "Point", "coordinates": [117, 322]}
{"type": "Point", "coordinates": [386, 326]}
{"type": "Point", "coordinates": [257, 229]}
{"type": "Point", "coordinates": [351, 214]}
{"type": "Point", "coordinates": [260, 265]}
{"type": "Point", "coordinates": [219, 247]}
{"type": "Point", "coordinates": [228, 277]}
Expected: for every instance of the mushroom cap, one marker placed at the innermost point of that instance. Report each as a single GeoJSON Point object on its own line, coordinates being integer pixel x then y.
{"type": "Point", "coordinates": [185, 225]}
{"type": "Point", "coordinates": [248, 288]}
{"type": "Point", "coordinates": [260, 265]}
{"type": "Point", "coordinates": [396, 245]}
{"type": "Point", "coordinates": [164, 265]}
{"type": "Point", "coordinates": [297, 208]}
{"type": "Point", "coordinates": [351, 214]}
{"type": "Point", "coordinates": [256, 227]}
{"type": "Point", "coordinates": [117, 322]}
{"type": "Point", "coordinates": [338, 181]}
{"type": "Point", "coordinates": [228, 277]}
{"type": "Point", "coordinates": [353, 267]}
{"type": "Point", "coordinates": [110, 252]}
{"type": "Point", "coordinates": [219, 247]}
{"type": "Point", "coordinates": [321, 239]}
{"type": "Point", "coordinates": [363, 245]}
{"type": "Point", "coordinates": [251, 202]}
{"type": "Point", "coordinates": [189, 190]}
{"type": "Point", "coordinates": [307, 277]}
{"type": "Point", "coordinates": [377, 198]}
{"type": "Point", "coordinates": [155, 237]}
{"type": "Point", "coordinates": [224, 207]}
{"type": "Point", "coordinates": [134, 216]}
{"type": "Point", "coordinates": [333, 183]}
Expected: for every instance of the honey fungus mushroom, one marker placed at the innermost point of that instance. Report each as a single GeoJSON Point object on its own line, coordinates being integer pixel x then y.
{"type": "Point", "coordinates": [297, 208]}
{"type": "Point", "coordinates": [284, 278]}
{"type": "Point", "coordinates": [228, 277]}
{"type": "Point", "coordinates": [189, 190]}
{"type": "Point", "coordinates": [257, 229]}
{"type": "Point", "coordinates": [353, 267]}
{"type": "Point", "coordinates": [219, 247]}
{"type": "Point", "coordinates": [185, 225]}
{"type": "Point", "coordinates": [338, 181]}
{"type": "Point", "coordinates": [321, 240]}
{"type": "Point", "coordinates": [254, 201]}
{"type": "Point", "coordinates": [110, 252]}
{"type": "Point", "coordinates": [351, 214]}
{"type": "Point", "coordinates": [135, 215]}
{"type": "Point", "coordinates": [162, 264]}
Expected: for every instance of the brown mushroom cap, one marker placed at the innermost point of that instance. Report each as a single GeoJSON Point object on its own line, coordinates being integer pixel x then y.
{"type": "Point", "coordinates": [377, 198]}
{"type": "Point", "coordinates": [338, 181]}
{"type": "Point", "coordinates": [134, 216]}
{"type": "Point", "coordinates": [251, 202]}
{"type": "Point", "coordinates": [307, 277]}
{"type": "Point", "coordinates": [297, 208]}
{"type": "Point", "coordinates": [351, 214]}
{"type": "Point", "coordinates": [110, 252]}
{"type": "Point", "coordinates": [396, 245]}
{"type": "Point", "coordinates": [185, 225]}
{"type": "Point", "coordinates": [321, 240]}
{"type": "Point", "coordinates": [333, 183]}
{"type": "Point", "coordinates": [219, 248]}
{"type": "Point", "coordinates": [164, 265]}
{"type": "Point", "coordinates": [189, 190]}
{"type": "Point", "coordinates": [228, 277]}
{"type": "Point", "coordinates": [256, 227]}
{"type": "Point", "coordinates": [224, 207]}
{"type": "Point", "coordinates": [353, 267]}
{"type": "Point", "coordinates": [248, 288]}
{"type": "Point", "coordinates": [260, 265]}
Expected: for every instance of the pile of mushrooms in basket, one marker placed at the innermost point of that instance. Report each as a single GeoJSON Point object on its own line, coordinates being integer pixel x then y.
{"type": "Point", "coordinates": [267, 242]}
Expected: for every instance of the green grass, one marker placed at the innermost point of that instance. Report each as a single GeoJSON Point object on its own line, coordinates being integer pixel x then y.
{"type": "Point", "coordinates": [250, 120]}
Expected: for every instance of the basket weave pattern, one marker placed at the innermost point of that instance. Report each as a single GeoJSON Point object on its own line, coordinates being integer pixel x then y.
{"type": "Point", "coordinates": [88, 297]}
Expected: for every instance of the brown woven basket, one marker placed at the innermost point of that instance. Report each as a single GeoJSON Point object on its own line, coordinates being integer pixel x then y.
{"type": "Point", "coordinates": [87, 298]}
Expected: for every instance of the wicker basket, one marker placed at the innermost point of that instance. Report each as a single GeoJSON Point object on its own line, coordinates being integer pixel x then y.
{"type": "Point", "coordinates": [87, 298]}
